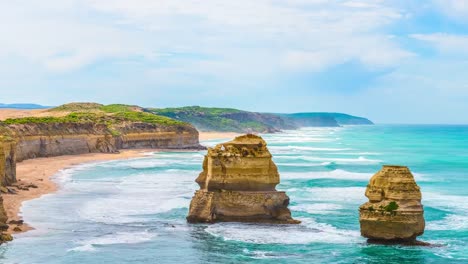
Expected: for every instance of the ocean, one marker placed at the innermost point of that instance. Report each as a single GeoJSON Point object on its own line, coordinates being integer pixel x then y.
{"type": "Point", "coordinates": [134, 211]}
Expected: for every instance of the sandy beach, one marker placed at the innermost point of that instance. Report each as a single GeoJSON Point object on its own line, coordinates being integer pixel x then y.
{"type": "Point", "coordinates": [38, 173]}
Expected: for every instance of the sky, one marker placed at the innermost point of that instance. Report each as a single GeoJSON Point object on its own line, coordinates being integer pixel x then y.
{"type": "Point", "coordinates": [396, 61]}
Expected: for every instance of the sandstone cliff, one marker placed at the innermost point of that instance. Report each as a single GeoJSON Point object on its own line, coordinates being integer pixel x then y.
{"type": "Point", "coordinates": [99, 128]}
{"type": "Point", "coordinates": [7, 176]}
{"type": "Point", "coordinates": [56, 139]}
{"type": "Point", "coordinates": [238, 184]}
{"type": "Point", "coordinates": [394, 211]}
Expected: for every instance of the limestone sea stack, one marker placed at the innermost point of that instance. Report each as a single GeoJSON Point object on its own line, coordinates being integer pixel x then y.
{"type": "Point", "coordinates": [394, 212]}
{"type": "Point", "coordinates": [238, 185]}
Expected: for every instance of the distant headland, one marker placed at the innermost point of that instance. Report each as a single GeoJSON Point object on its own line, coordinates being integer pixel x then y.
{"type": "Point", "coordinates": [214, 119]}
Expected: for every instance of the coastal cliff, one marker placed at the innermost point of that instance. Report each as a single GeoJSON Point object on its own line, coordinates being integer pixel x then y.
{"type": "Point", "coordinates": [80, 128]}
{"type": "Point", "coordinates": [394, 212]}
{"type": "Point", "coordinates": [238, 184]}
{"type": "Point", "coordinates": [7, 176]}
{"type": "Point", "coordinates": [85, 128]}
{"type": "Point", "coordinates": [56, 139]}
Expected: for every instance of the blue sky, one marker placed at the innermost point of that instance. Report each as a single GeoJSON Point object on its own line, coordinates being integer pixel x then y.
{"type": "Point", "coordinates": [396, 61]}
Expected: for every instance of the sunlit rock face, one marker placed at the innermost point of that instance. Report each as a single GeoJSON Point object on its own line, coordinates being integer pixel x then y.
{"type": "Point", "coordinates": [238, 184]}
{"type": "Point", "coordinates": [394, 211]}
{"type": "Point", "coordinates": [7, 176]}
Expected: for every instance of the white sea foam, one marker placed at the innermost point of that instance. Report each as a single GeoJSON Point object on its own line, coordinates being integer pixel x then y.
{"type": "Point", "coordinates": [307, 232]}
{"type": "Point", "coordinates": [335, 174]}
{"type": "Point", "coordinates": [333, 194]}
{"type": "Point", "coordinates": [344, 161]}
{"type": "Point", "coordinates": [451, 203]}
{"type": "Point", "coordinates": [138, 195]}
{"type": "Point", "coordinates": [318, 208]}
{"type": "Point", "coordinates": [112, 239]}
{"type": "Point", "coordinates": [361, 160]}
{"type": "Point", "coordinates": [282, 148]}
{"type": "Point", "coordinates": [450, 222]}
{"type": "Point", "coordinates": [302, 164]}
{"type": "Point", "coordinates": [259, 254]}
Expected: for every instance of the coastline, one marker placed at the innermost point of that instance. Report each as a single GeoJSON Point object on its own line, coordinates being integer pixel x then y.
{"type": "Point", "coordinates": [38, 172]}
{"type": "Point", "coordinates": [36, 175]}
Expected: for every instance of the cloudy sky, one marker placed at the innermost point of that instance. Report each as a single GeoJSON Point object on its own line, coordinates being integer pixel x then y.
{"type": "Point", "coordinates": [396, 61]}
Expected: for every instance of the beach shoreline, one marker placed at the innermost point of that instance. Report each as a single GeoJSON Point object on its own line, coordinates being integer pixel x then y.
{"type": "Point", "coordinates": [35, 176]}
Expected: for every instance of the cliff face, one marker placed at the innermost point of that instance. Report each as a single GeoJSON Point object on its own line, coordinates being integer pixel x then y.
{"type": "Point", "coordinates": [144, 135]}
{"type": "Point", "coordinates": [238, 184]}
{"type": "Point", "coordinates": [7, 176]}
{"type": "Point", "coordinates": [7, 162]}
{"type": "Point", "coordinates": [394, 211]}
{"type": "Point", "coordinates": [48, 140]}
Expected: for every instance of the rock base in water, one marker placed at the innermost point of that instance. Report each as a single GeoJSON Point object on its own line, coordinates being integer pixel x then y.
{"type": "Point", "coordinates": [239, 206]}
{"type": "Point", "coordinates": [402, 242]}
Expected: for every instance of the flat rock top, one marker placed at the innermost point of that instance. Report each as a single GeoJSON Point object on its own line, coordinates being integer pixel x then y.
{"type": "Point", "coordinates": [248, 139]}
{"type": "Point", "coordinates": [243, 146]}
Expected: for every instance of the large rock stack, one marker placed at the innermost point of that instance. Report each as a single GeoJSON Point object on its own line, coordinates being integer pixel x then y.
{"type": "Point", "coordinates": [394, 212]}
{"type": "Point", "coordinates": [238, 184]}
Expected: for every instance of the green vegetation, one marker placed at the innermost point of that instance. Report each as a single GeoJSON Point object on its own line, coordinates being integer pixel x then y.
{"type": "Point", "coordinates": [193, 110]}
{"type": "Point", "coordinates": [77, 107]}
{"type": "Point", "coordinates": [217, 119]}
{"type": "Point", "coordinates": [147, 118]}
{"type": "Point", "coordinates": [389, 208]}
{"type": "Point", "coordinates": [98, 114]}
{"type": "Point", "coordinates": [115, 108]}
{"type": "Point", "coordinates": [228, 119]}
{"type": "Point", "coordinates": [392, 206]}
{"type": "Point", "coordinates": [328, 118]}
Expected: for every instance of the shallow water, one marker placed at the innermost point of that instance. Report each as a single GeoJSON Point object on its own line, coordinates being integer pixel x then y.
{"type": "Point", "coordinates": [134, 210]}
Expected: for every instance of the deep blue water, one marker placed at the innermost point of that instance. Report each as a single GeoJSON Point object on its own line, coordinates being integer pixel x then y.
{"type": "Point", "coordinates": [134, 211]}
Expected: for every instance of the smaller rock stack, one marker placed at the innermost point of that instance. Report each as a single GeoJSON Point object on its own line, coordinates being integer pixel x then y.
{"type": "Point", "coordinates": [394, 212]}
{"type": "Point", "coordinates": [238, 185]}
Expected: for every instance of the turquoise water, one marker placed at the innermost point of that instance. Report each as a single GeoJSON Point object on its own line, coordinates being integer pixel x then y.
{"type": "Point", "coordinates": [134, 211]}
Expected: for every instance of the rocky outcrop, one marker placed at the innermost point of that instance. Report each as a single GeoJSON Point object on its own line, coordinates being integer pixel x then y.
{"type": "Point", "coordinates": [394, 211]}
{"type": "Point", "coordinates": [7, 176]}
{"type": "Point", "coordinates": [7, 162]}
{"type": "Point", "coordinates": [238, 184]}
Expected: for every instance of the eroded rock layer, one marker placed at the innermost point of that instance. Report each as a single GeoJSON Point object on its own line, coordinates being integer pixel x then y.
{"type": "Point", "coordinates": [7, 176]}
{"type": "Point", "coordinates": [48, 140]}
{"type": "Point", "coordinates": [394, 211]}
{"type": "Point", "coordinates": [238, 184]}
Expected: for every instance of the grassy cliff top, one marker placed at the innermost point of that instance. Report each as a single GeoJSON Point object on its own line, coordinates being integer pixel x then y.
{"type": "Point", "coordinates": [196, 110]}
{"type": "Point", "coordinates": [95, 107]}
{"type": "Point", "coordinates": [95, 113]}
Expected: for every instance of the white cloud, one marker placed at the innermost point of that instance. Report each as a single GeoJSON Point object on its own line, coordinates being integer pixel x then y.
{"type": "Point", "coordinates": [456, 9]}
{"type": "Point", "coordinates": [67, 35]}
{"type": "Point", "coordinates": [446, 43]}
